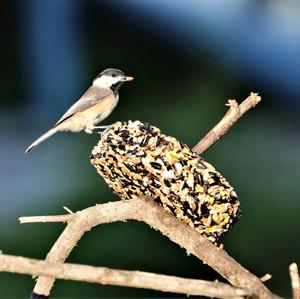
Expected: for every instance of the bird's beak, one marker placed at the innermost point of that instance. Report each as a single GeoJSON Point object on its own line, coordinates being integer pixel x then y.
{"type": "Point", "coordinates": [127, 78]}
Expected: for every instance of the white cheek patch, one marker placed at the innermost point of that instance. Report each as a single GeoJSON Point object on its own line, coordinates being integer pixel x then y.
{"type": "Point", "coordinates": [106, 81]}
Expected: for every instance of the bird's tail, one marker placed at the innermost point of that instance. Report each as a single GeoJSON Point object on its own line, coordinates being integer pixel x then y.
{"type": "Point", "coordinates": [41, 139]}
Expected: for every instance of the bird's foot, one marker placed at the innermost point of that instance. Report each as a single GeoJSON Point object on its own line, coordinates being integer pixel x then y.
{"type": "Point", "coordinates": [97, 129]}
{"type": "Point", "coordinates": [102, 127]}
{"type": "Point", "coordinates": [88, 131]}
{"type": "Point", "coordinates": [99, 132]}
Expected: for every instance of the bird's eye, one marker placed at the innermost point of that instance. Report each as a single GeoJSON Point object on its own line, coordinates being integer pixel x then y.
{"type": "Point", "coordinates": [113, 75]}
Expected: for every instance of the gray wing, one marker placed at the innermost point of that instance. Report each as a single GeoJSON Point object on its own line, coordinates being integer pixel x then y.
{"type": "Point", "coordinates": [92, 96]}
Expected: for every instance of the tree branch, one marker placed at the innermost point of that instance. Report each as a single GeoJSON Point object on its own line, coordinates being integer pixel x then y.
{"type": "Point", "coordinates": [104, 276]}
{"type": "Point", "coordinates": [143, 209]}
{"type": "Point", "coordinates": [233, 114]}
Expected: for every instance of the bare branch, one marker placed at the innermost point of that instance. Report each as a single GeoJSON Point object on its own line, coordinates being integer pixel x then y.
{"type": "Point", "coordinates": [233, 114]}
{"type": "Point", "coordinates": [146, 210]}
{"type": "Point", "coordinates": [294, 274]}
{"type": "Point", "coordinates": [78, 224]}
{"type": "Point", "coordinates": [104, 276]}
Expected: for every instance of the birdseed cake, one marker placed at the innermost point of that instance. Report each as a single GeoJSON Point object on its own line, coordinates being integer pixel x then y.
{"type": "Point", "coordinates": [135, 158]}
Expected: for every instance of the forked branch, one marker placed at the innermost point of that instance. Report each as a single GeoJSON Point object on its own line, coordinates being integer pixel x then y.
{"type": "Point", "coordinates": [144, 209]}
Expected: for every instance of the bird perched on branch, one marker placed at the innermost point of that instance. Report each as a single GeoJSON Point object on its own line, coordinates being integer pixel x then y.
{"type": "Point", "coordinates": [93, 107]}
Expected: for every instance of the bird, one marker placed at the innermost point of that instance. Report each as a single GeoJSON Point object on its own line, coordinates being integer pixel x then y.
{"type": "Point", "coordinates": [94, 106]}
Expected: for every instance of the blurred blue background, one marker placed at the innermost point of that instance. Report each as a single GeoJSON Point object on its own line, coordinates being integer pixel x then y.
{"type": "Point", "coordinates": [187, 57]}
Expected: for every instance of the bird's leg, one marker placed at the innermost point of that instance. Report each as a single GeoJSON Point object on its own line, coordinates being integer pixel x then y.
{"type": "Point", "coordinates": [100, 132]}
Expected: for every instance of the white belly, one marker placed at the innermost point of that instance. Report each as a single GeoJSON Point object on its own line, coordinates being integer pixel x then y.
{"type": "Point", "coordinates": [88, 118]}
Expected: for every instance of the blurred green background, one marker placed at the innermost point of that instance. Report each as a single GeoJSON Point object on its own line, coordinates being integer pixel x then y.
{"type": "Point", "coordinates": [187, 57]}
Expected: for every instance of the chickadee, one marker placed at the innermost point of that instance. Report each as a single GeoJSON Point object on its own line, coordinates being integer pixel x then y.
{"type": "Point", "coordinates": [94, 106]}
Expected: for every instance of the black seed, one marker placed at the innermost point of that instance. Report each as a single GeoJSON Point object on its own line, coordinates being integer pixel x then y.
{"type": "Point", "coordinates": [158, 143]}
{"type": "Point", "coordinates": [124, 134]}
{"type": "Point", "coordinates": [216, 178]}
{"type": "Point", "coordinates": [122, 147]}
{"type": "Point", "coordinates": [204, 210]}
{"type": "Point", "coordinates": [140, 170]}
{"type": "Point", "coordinates": [198, 178]}
{"type": "Point", "coordinates": [97, 156]}
{"type": "Point", "coordinates": [201, 165]}
{"type": "Point", "coordinates": [156, 184]}
{"type": "Point", "coordinates": [185, 207]}
{"type": "Point", "coordinates": [154, 176]}
{"type": "Point", "coordinates": [145, 172]}
{"type": "Point", "coordinates": [146, 127]}
{"type": "Point", "coordinates": [185, 185]}
{"type": "Point", "coordinates": [136, 184]}
{"type": "Point", "coordinates": [180, 177]}
{"type": "Point", "coordinates": [110, 166]}
{"type": "Point", "coordinates": [237, 216]}
{"type": "Point", "coordinates": [133, 151]}
{"type": "Point", "coordinates": [197, 217]}
{"type": "Point", "coordinates": [233, 198]}
{"type": "Point", "coordinates": [145, 141]}
{"type": "Point", "coordinates": [172, 208]}
{"type": "Point", "coordinates": [155, 165]}
{"type": "Point", "coordinates": [195, 155]}
{"type": "Point", "coordinates": [129, 167]}
{"type": "Point", "coordinates": [150, 189]}
{"type": "Point", "coordinates": [161, 141]}
{"type": "Point", "coordinates": [131, 141]}
{"type": "Point", "coordinates": [129, 192]}
{"type": "Point", "coordinates": [158, 200]}
{"type": "Point", "coordinates": [169, 167]}
{"type": "Point", "coordinates": [168, 184]}
{"type": "Point", "coordinates": [183, 145]}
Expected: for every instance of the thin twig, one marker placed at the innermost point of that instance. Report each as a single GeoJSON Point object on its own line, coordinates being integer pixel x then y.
{"type": "Point", "coordinates": [45, 219]}
{"type": "Point", "coordinates": [68, 210]}
{"type": "Point", "coordinates": [146, 210]}
{"type": "Point", "coordinates": [266, 277]}
{"type": "Point", "coordinates": [106, 276]}
{"type": "Point", "coordinates": [295, 281]}
{"type": "Point", "coordinates": [233, 114]}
